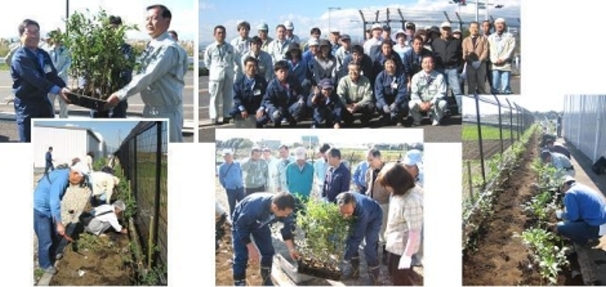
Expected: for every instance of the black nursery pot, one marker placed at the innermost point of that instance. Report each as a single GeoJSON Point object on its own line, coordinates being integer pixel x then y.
{"type": "Point", "coordinates": [79, 99]}
{"type": "Point", "coordinates": [305, 267]}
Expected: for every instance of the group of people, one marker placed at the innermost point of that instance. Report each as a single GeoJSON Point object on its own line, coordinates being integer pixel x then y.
{"type": "Point", "coordinates": [282, 80]}
{"type": "Point", "coordinates": [386, 200]}
{"type": "Point", "coordinates": [50, 227]}
{"type": "Point", "coordinates": [40, 76]}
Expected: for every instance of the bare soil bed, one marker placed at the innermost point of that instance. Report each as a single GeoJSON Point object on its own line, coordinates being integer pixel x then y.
{"type": "Point", "coordinates": [500, 259]}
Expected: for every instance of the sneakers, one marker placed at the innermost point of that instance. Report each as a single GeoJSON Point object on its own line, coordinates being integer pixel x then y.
{"type": "Point", "coordinates": [51, 270]}
{"type": "Point", "coordinates": [435, 123]}
{"type": "Point", "coordinates": [59, 256]}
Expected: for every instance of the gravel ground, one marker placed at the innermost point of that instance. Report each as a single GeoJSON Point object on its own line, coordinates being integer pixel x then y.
{"type": "Point", "coordinates": [8, 131]}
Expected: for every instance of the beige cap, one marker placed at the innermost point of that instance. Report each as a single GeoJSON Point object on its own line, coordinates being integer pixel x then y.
{"type": "Point", "coordinates": [445, 25]}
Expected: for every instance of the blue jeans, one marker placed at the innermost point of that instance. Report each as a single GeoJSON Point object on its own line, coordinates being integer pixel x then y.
{"type": "Point", "coordinates": [263, 241]}
{"type": "Point", "coordinates": [578, 231]}
{"type": "Point", "coordinates": [451, 76]}
{"type": "Point", "coordinates": [233, 196]}
{"type": "Point", "coordinates": [500, 82]}
{"type": "Point", "coordinates": [48, 239]}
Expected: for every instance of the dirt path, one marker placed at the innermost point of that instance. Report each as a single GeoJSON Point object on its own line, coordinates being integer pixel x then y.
{"type": "Point", "coordinates": [501, 259]}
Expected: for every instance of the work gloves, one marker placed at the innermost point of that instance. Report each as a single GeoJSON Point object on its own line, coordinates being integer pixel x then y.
{"type": "Point", "coordinates": [404, 262]}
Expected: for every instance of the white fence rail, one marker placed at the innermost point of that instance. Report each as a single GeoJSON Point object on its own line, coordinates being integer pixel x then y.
{"type": "Point", "coordinates": [584, 124]}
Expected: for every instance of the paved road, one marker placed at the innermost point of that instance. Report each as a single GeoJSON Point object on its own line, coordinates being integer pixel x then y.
{"type": "Point", "coordinates": [135, 105]}
{"type": "Point", "coordinates": [449, 132]}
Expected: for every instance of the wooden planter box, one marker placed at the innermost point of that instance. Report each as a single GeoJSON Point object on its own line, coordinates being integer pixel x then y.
{"type": "Point", "coordinates": [85, 101]}
{"type": "Point", "coordinates": [304, 267]}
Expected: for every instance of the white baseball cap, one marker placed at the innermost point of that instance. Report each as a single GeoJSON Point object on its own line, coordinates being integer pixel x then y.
{"type": "Point", "coordinates": [334, 30]}
{"type": "Point", "coordinates": [568, 179]}
{"type": "Point", "coordinates": [300, 153]}
{"type": "Point", "coordinates": [445, 25]}
{"type": "Point", "coordinates": [376, 26]}
{"type": "Point", "coordinates": [226, 152]}
{"type": "Point", "coordinates": [413, 157]}
{"type": "Point", "coordinates": [500, 20]}
{"type": "Point", "coordinates": [81, 168]}
{"type": "Point", "coordinates": [289, 25]}
{"type": "Point", "coordinates": [313, 42]}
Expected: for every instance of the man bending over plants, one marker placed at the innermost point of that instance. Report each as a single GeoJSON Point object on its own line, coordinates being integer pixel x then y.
{"type": "Point", "coordinates": [252, 216]}
{"type": "Point", "coordinates": [368, 218]}
{"type": "Point", "coordinates": [584, 218]}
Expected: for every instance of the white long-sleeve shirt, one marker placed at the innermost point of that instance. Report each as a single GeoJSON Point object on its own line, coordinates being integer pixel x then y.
{"type": "Point", "coordinates": [103, 182]}
{"type": "Point", "coordinates": [110, 217]}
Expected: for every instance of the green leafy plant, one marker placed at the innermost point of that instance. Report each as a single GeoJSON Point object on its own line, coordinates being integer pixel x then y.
{"type": "Point", "coordinates": [548, 256]}
{"type": "Point", "coordinates": [95, 49]}
{"type": "Point", "coordinates": [326, 232]}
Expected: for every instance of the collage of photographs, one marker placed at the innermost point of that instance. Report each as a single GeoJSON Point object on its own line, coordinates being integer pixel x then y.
{"type": "Point", "coordinates": [323, 123]}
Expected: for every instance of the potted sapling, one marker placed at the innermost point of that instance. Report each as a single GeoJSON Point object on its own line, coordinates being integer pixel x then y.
{"type": "Point", "coordinates": [323, 245]}
{"type": "Point", "coordinates": [99, 60]}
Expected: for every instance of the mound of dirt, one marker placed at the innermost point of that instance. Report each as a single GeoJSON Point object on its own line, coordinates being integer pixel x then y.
{"type": "Point", "coordinates": [223, 263]}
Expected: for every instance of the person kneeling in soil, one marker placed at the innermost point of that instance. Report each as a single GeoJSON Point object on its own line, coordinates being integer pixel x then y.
{"type": "Point", "coordinates": [404, 224]}
{"type": "Point", "coordinates": [584, 218]}
{"type": "Point", "coordinates": [106, 216]}
{"type": "Point", "coordinates": [47, 211]}
{"type": "Point", "coordinates": [368, 220]}
{"type": "Point", "coordinates": [103, 185]}
{"type": "Point", "coordinates": [252, 217]}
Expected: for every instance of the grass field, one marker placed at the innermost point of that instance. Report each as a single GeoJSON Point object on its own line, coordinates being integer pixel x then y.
{"type": "Point", "coordinates": [470, 132]}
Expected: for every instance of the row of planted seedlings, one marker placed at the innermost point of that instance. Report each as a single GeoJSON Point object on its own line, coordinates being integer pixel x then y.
{"type": "Point", "coordinates": [546, 248]}
{"type": "Point", "coordinates": [145, 274]}
{"type": "Point", "coordinates": [500, 167]}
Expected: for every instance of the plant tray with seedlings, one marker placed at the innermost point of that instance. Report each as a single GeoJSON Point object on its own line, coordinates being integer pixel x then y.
{"type": "Point", "coordinates": [78, 99]}
{"type": "Point", "coordinates": [317, 268]}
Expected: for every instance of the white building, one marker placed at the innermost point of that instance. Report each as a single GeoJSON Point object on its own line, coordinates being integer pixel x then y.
{"type": "Point", "coordinates": [67, 143]}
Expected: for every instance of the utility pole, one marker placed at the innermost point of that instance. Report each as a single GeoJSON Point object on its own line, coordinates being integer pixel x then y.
{"type": "Point", "coordinates": [66, 14]}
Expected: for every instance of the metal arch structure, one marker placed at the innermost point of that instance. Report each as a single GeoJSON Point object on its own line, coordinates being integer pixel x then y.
{"type": "Point", "coordinates": [369, 18]}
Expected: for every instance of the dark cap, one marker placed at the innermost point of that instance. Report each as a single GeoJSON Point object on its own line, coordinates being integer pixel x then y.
{"type": "Point", "coordinates": [545, 154]}
{"type": "Point", "coordinates": [325, 42]}
{"type": "Point", "coordinates": [386, 28]}
{"type": "Point", "coordinates": [345, 37]}
{"type": "Point", "coordinates": [410, 25]}
{"type": "Point", "coordinates": [434, 29]}
{"type": "Point", "coordinates": [326, 84]}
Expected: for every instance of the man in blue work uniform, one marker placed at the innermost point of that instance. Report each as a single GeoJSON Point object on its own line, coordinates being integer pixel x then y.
{"type": "Point", "coordinates": [391, 93]}
{"type": "Point", "coordinates": [248, 93]}
{"type": "Point", "coordinates": [48, 158]}
{"type": "Point", "coordinates": [284, 98]}
{"type": "Point", "coordinates": [47, 211]}
{"type": "Point", "coordinates": [34, 77]}
{"type": "Point", "coordinates": [326, 104]}
{"type": "Point", "coordinates": [338, 176]}
{"type": "Point", "coordinates": [557, 147]}
{"type": "Point", "coordinates": [252, 218]}
{"type": "Point", "coordinates": [584, 218]}
{"type": "Point", "coordinates": [359, 176]}
{"type": "Point", "coordinates": [368, 218]}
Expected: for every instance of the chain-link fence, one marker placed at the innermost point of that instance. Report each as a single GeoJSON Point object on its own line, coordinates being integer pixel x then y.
{"type": "Point", "coordinates": [143, 156]}
{"type": "Point", "coordinates": [584, 123]}
{"type": "Point", "coordinates": [491, 124]}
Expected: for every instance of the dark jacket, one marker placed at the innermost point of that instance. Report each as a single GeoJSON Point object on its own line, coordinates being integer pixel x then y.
{"type": "Point", "coordinates": [253, 213]}
{"type": "Point", "coordinates": [448, 54]}
{"type": "Point", "coordinates": [367, 210]}
{"type": "Point", "coordinates": [335, 104]}
{"type": "Point", "coordinates": [384, 92]}
{"type": "Point", "coordinates": [32, 82]}
{"type": "Point", "coordinates": [281, 97]}
{"type": "Point", "coordinates": [412, 62]}
{"type": "Point", "coordinates": [379, 61]}
{"type": "Point", "coordinates": [248, 98]}
{"type": "Point", "coordinates": [339, 182]}
{"type": "Point", "coordinates": [366, 68]}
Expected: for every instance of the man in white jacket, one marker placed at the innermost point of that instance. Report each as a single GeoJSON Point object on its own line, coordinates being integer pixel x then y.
{"type": "Point", "coordinates": [106, 216]}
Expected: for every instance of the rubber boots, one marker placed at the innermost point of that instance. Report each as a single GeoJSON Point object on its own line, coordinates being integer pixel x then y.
{"type": "Point", "coordinates": [373, 276]}
{"type": "Point", "coordinates": [266, 276]}
{"type": "Point", "coordinates": [355, 263]}
{"type": "Point", "coordinates": [385, 256]}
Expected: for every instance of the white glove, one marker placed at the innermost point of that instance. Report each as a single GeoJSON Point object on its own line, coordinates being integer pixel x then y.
{"type": "Point", "coordinates": [559, 214]}
{"type": "Point", "coordinates": [392, 106]}
{"type": "Point", "coordinates": [386, 109]}
{"type": "Point", "coordinates": [404, 262]}
{"type": "Point", "coordinates": [276, 115]}
{"type": "Point", "coordinates": [476, 64]}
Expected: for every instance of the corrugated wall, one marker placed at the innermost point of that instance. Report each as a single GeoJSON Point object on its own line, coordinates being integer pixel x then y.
{"type": "Point", "coordinates": [584, 124]}
{"type": "Point", "coordinates": [67, 144]}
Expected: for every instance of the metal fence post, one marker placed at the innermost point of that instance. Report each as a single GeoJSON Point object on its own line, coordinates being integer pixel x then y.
{"type": "Point", "coordinates": [480, 138]}
{"type": "Point", "coordinates": [517, 120]}
{"type": "Point", "coordinates": [500, 123]}
{"type": "Point", "coordinates": [158, 186]}
{"type": "Point", "coordinates": [469, 180]}
{"type": "Point", "coordinates": [135, 167]}
{"type": "Point", "coordinates": [510, 121]}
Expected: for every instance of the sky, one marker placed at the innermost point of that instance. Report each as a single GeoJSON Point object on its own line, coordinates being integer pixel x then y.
{"type": "Point", "coordinates": [112, 131]}
{"type": "Point", "coordinates": [344, 136]}
{"type": "Point", "coordinates": [50, 14]}
{"type": "Point", "coordinates": [531, 102]}
{"type": "Point", "coordinates": [315, 13]}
